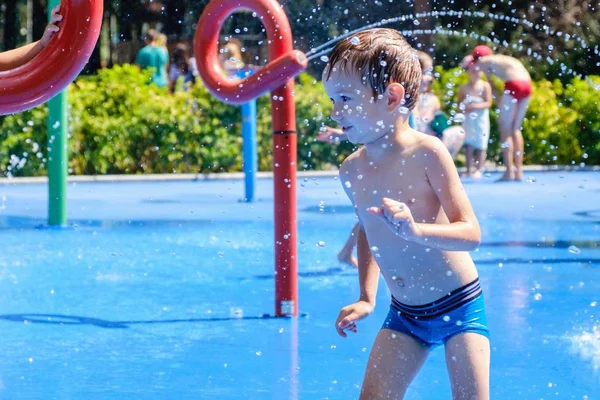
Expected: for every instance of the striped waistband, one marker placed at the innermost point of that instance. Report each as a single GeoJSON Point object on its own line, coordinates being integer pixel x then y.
{"type": "Point", "coordinates": [449, 302]}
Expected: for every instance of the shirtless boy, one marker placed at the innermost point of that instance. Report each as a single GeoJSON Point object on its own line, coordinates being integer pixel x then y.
{"type": "Point", "coordinates": [416, 224]}
{"type": "Point", "coordinates": [512, 103]}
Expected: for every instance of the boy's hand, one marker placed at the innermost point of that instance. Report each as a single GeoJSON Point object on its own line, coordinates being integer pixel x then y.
{"type": "Point", "coordinates": [346, 320]}
{"type": "Point", "coordinates": [52, 26]}
{"type": "Point", "coordinates": [330, 135]}
{"type": "Point", "coordinates": [397, 217]}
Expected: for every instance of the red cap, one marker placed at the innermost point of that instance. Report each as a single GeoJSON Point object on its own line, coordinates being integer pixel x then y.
{"type": "Point", "coordinates": [481, 51]}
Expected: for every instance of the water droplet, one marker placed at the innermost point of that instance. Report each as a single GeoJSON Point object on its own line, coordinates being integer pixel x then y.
{"type": "Point", "coordinates": [348, 184]}
{"type": "Point", "coordinates": [459, 118]}
{"type": "Point", "coordinates": [446, 318]}
{"type": "Point", "coordinates": [324, 58]}
{"type": "Point", "coordinates": [382, 63]}
{"type": "Point", "coordinates": [236, 312]}
{"type": "Point", "coordinates": [537, 296]}
{"type": "Point", "coordinates": [359, 176]}
{"type": "Point", "coordinates": [321, 243]}
{"type": "Point", "coordinates": [355, 40]}
{"type": "Point", "coordinates": [574, 250]}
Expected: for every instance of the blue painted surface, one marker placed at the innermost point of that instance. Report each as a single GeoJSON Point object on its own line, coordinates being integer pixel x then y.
{"type": "Point", "coordinates": [250, 148]}
{"type": "Point", "coordinates": [157, 292]}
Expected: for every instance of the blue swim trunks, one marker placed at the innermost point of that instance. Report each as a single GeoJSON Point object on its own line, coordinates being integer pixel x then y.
{"type": "Point", "coordinates": [461, 310]}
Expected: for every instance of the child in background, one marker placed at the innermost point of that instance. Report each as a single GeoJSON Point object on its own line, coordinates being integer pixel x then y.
{"type": "Point", "coordinates": [231, 58]}
{"type": "Point", "coordinates": [428, 105]}
{"type": "Point", "coordinates": [416, 224]}
{"type": "Point", "coordinates": [512, 103]}
{"type": "Point", "coordinates": [475, 99]}
{"type": "Point", "coordinates": [181, 66]}
{"type": "Point", "coordinates": [15, 58]}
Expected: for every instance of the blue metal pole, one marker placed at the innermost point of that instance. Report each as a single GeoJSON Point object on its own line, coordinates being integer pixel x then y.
{"type": "Point", "coordinates": [249, 148]}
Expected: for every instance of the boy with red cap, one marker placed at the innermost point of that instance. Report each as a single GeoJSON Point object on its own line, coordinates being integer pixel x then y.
{"type": "Point", "coordinates": [512, 104]}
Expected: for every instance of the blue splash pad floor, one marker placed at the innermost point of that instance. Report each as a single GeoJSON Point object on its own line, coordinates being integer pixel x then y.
{"type": "Point", "coordinates": [157, 289]}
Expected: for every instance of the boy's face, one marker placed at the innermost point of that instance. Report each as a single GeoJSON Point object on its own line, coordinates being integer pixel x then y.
{"type": "Point", "coordinates": [362, 119]}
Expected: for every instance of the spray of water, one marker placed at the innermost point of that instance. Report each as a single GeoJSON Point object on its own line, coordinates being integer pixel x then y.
{"type": "Point", "coordinates": [459, 14]}
{"type": "Point", "coordinates": [324, 49]}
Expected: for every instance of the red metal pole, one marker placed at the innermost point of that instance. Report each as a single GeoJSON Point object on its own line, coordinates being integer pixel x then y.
{"type": "Point", "coordinates": [277, 77]}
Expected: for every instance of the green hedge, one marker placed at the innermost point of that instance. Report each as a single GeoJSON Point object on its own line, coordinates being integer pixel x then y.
{"type": "Point", "coordinates": [120, 125]}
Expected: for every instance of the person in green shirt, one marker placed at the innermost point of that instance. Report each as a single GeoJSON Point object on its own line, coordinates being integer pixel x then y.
{"type": "Point", "coordinates": [154, 56]}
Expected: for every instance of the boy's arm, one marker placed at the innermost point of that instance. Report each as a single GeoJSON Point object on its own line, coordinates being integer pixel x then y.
{"type": "Point", "coordinates": [437, 104]}
{"type": "Point", "coordinates": [368, 274]}
{"type": "Point", "coordinates": [487, 98]}
{"type": "Point", "coordinates": [368, 270]}
{"type": "Point", "coordinates": [331, 135]}
{"type": "Point", "coordinates": [462, 233]}
{"type": "Point", "coordinates": [495, 95]}
{"type": "Point", "coordinates": [461, 94]}
{"type": "Point", "coordinates": [17, 57]}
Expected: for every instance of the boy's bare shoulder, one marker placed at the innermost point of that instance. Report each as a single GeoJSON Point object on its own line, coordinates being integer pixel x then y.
{"type": "Point", "coordinates": [428, 146]}
{"type": "Point", "coordinates": [350, 162]}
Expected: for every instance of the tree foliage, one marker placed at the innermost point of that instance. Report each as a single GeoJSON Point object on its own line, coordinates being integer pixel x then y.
{"type": "Point", "coordinates": [556, 39]}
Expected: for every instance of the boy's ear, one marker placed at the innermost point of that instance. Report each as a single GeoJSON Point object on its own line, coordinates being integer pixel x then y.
{"type": "Point", "coordinates": [395, 96]}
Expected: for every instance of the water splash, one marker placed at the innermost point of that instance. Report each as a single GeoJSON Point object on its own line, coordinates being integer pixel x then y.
{"type": "Point", "coordinates": [459, 14]}
{"type": "Point", "coordinates": [326, 47]}
{"type": "Point", "coordinates": [483, 38]}
{"type": "Point", "coordinates": [587, 345]}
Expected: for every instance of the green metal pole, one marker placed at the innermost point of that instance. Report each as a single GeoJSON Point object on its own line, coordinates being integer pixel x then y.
{"type": "Point", "coordinates": [57, 153]}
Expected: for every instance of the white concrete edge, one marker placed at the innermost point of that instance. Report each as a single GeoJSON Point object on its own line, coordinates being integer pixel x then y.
{"type": "Point", "coordinates": [239, 175]}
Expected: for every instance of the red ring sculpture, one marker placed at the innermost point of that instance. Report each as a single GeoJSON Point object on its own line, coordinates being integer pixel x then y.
{"type": "Point", "coordinates": [277, 77]}
{"type": "Point", "coordinates": [58, 64]}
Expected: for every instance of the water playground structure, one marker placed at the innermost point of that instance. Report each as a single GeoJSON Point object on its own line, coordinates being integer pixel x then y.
{"type": "Point", "coordinates": [63, 59]}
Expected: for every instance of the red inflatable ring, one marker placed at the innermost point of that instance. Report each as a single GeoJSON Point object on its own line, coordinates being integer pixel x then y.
{"type": "Point", "coordinates": [59, 63]}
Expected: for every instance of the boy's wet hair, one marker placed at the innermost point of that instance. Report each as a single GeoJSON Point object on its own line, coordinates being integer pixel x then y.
{"type": "Point", "coordinates": [425, 61]}
{"type": "Point", "coordinates": [380, 56]}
